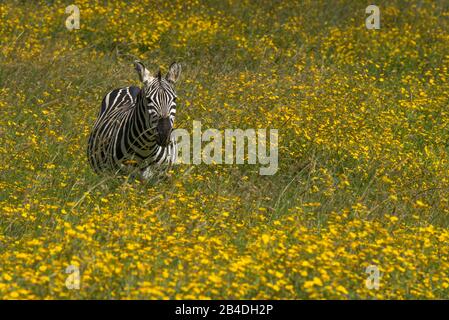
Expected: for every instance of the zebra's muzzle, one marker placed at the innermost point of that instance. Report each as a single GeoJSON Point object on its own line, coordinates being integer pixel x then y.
{"type": "Point", "coordinates": [164, 129]}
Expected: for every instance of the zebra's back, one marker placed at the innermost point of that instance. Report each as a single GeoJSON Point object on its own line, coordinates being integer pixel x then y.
{"type": "Point", "coordinates": [116, 107]}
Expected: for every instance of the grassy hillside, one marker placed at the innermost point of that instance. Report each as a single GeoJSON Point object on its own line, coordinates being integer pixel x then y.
{"type": "Point", "coordinates": [363, 151]}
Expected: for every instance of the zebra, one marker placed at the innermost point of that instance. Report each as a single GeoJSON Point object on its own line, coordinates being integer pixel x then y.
{"type": "Point", "coordinates": [133, 130]}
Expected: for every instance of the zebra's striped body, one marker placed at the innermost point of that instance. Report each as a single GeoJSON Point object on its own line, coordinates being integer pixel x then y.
{"type": "Point", "coordinates": [134, 125]}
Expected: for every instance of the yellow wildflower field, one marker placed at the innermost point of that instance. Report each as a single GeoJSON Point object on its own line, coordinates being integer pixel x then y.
{"type": "Point", "coordinates": [363, 176]}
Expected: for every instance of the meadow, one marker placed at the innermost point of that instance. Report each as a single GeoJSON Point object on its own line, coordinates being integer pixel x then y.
{"type": "Point", "coordinates": [363, 174]}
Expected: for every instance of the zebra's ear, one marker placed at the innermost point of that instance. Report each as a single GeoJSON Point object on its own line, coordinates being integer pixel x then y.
{"type": "Point", "coordinates": [143, 72]}
{"type": "Point", "coordinates": [174, 71]}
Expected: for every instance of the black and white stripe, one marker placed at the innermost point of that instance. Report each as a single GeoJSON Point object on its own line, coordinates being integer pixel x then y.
{"type": "Point", "coordinates": [134, 125]}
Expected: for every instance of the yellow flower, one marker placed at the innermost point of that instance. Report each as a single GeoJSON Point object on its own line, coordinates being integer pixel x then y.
{"type": "Point", "coordinates": [342, 289]}
{"type": "Point", "coordinates": [265, 238]}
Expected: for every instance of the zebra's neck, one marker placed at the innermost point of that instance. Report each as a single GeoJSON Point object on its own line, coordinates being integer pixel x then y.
{"type": "Point", "coordinates": [143, 120]}
{"type": "Point", "coordinates": [149, 149]}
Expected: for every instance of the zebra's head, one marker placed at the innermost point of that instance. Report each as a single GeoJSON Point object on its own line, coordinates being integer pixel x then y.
{"type": "Point", "coordinates": [160, 99]}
